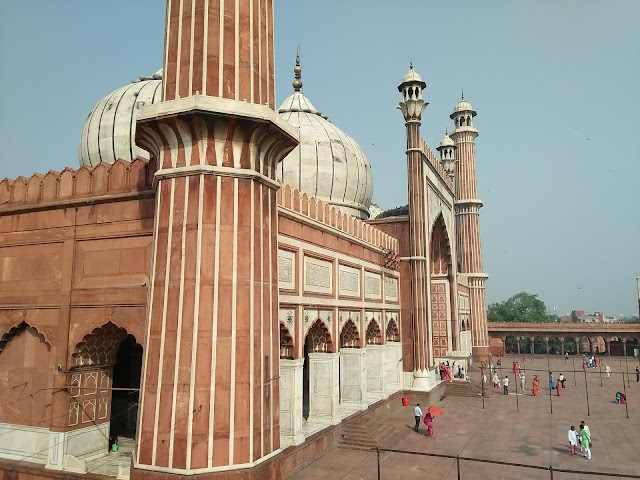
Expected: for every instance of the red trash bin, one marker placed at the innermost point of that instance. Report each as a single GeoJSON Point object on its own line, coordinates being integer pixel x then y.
{"type": "Point", "coordinates": [405, 401]}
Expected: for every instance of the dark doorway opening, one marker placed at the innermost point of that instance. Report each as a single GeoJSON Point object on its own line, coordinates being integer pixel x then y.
{"type": "Point", "coordinates": [126, 375]}
{"type": "Point", "coordinates": [305, 380]}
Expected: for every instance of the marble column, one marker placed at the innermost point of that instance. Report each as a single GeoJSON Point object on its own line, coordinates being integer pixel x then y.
{"type": "Point", "coordinates": [353, 379]}
{"type": "Point", "coordinates": [323, 388]}
{"type": "Point", "coordinates": [608, 342]}
{"type": "Point", "coordinates": [291, 394]}
{"type": "Point", "coordinates": [374, 361]}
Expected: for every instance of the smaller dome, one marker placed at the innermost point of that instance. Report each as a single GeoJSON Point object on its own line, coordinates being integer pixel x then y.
{"type": "Point", "coordinates": [447, 142]}
{"type": "Point", "coordinates": [463, 106]}
{"type": "Point", "coordinates": [412, 76]}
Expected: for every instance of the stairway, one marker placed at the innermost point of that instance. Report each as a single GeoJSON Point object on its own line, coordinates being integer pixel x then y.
{"type": "Point", "coordinates": [461, 388]}
{"type": "Point", "coordinates": [366, 435]}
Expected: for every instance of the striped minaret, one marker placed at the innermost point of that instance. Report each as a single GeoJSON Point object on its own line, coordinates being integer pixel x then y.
{"type": "Point", "coordinates": [412, 106]}
{"type": "Point", "coordinates": [210, 392]}
{"type": "Point", "coordinates": [467, 210]}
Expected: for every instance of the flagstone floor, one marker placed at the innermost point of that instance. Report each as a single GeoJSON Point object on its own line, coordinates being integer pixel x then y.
{"type": "Point", "coordinates": [511, 428]}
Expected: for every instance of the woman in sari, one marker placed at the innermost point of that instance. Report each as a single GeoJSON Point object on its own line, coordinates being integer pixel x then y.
{"type": "Point", "coordinates": [559, 389]}
{"type": "Point", "coordinates": [447, 374]}
{"type": "Point", "coordinates": [536, 386]}
{"type": "Point", "coordinates": [428, 421]}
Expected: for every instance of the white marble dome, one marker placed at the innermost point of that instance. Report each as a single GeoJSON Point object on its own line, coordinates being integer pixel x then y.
{"type": "Point", "coordinates": [463, 106]}
{"type": "Point", "coordinates": [327, 164]}
{"type": "Point", "coordinates": [109, 131]}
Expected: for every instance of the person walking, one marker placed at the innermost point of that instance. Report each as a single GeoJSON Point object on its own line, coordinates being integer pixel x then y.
{"type": "Point", "coordinates": [496, 380]}
{"type": "Point", "coordinates": [561, 379]}
{"type": "Point", "coordinates": [585, 442]}
{"type": "Point", "coordinates": [505, 382]}
{"type": "Point", "coordinates": [418, 414]}
{"type": "Point", "coordinates": [573, 440]}
{"type": "Point", "coordinates": [551, 384]}
{"type": "Point", "coordinates": [559, 388]}
{"type": "Point", "coordinates": [522, 380]}
{"type": "Point", "coordinates": [428, 421]}
{"type": "Point", "coordinates": [637, 374]}
{"type": "Point", "coordinates": [536, 386]}
{"type": "Point", "coordinates": [607, 369]}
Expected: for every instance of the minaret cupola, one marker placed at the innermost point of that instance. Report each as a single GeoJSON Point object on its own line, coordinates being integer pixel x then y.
{"type": "Point", "coordinates": [463, 114]}
{"type": "Point", "coordinates": [412, 104]}
{"type": "Point", "coordinates": [447, 149]}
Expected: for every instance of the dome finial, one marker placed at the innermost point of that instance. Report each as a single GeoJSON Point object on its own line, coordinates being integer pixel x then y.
{"type": "Point", "coordinates": [462, 93]}
{"type": "Point", "coordinates": [297, 83]}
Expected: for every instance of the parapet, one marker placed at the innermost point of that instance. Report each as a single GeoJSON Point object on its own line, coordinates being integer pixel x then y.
{"type": "Point", "coordinates": [54, 187]}
{"type": "Point", "coordinates": [322, 212]}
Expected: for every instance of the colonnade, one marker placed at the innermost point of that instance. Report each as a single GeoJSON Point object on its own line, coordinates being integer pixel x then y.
{"type": "Point", "coordinates": [561, 338]}
{"type": "Point", "coordinates": [335, 385]}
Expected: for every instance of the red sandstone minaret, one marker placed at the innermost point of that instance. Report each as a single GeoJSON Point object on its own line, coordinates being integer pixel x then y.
{"type": "Point", "coordinates": [210, 393]}
{"type": "Point", "coordinates": [412, 106]}
{"type": "Point", "coordinates": [467, 210]}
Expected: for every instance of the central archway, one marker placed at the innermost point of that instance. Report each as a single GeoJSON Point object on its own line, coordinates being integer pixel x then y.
{"type": "Point", "coordinates": [444, 334]}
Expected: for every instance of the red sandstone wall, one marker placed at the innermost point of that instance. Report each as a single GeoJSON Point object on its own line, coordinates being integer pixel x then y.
{"type": "Point", "coordinates": [75, 251]}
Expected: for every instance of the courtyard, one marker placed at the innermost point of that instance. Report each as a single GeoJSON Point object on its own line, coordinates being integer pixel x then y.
{"type": "Point", "coordinates": [511, 428]}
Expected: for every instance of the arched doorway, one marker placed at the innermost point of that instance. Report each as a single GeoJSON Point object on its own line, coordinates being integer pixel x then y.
{"type": "Point", "coordinates": [525, 345]}
{"type": "Point", "coordinates": [510, 344]}
{"type": "Point", "coordinates": [445, 335]}
{"type": "Point", "coordinates": [555, 347]}
{"type": "Point", "coordinates": [106, 369]}
{"type": "Point", "coordinates": [570, 346]}
{"type": "Point", "coordinates": [539, 345]}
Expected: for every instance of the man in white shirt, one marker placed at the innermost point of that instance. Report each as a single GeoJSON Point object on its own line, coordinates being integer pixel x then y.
{"type": "Point", "coordinates": [505, 382]}
{"type": "Point", "coordinates": [418, 414]}
{"type": "Point", "coordinates": [573, 440]}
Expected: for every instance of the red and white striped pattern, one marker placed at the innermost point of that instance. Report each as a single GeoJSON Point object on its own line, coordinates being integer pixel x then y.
{"type": "Point", "coordinates": [220, 48]}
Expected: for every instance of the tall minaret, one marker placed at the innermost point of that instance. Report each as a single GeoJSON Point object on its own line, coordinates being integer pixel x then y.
{"type": "Point", "coordinates": [467, 210]}
{"type": "Point", "coordinates": [412, 106]}
{"type": "Point", "coordinates": [210, 391]}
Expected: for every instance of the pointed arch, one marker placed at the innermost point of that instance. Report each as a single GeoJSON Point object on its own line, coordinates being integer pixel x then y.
{"type": "Point", "coordinates": [374, 334]}
{"type": "Point", "coordinates": [319, 337]}
{"type": "Point", "coordinates": [440, 248]}
{"type": "Point", "coordinates": [392, 333]}
{"type": "Point", "coordinates": [349, 336]}
{"type": "Point", "coordinates": [286, 342]}
{"type": "Point", "coordinates": [99, 347]}
{"type": "Point", "coordinates": [17, 330]}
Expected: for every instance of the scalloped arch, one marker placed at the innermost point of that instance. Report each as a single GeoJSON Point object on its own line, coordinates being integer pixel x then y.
{"type": "Point", "coordinates": [17, 330]}
{"type": "Point", "coordinates": [99, 348]}
{"type": "Point", "coordinates": [286, 342]}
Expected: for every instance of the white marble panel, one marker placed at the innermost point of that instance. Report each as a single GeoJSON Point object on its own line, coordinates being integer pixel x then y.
{"type": "Point", "coordinates": [323, 388]}
{"type": "Point", "coordinates": [88, 442]}
{"type": "Point", "coordinates": [353, 379]}
{"type": "Point", "coordinates": [375, 364]}
{"type": "Point", "coordinates": [393, 367]}
{"type": "Point", "coordinates": [18, 442]}
{"type": "Point", "coordinates": [291, 396]}
{"type": "Point", "coordinates": [391, 289]}
{"type": "Point", "coordinates": [372, 285]}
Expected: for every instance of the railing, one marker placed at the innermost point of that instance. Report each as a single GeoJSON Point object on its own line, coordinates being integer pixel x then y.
{"type": "Point", "coordinates": [458, 459]}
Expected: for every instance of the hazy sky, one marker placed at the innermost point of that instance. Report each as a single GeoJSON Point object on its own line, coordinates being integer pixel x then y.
{"type": "Point", "coordinates": [555, 84]}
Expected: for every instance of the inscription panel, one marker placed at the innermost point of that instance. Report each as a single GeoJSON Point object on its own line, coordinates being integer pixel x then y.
{"type": "Point", "coordinates": [349, 282]}
{"type": "Point", "coordinates": [372, 284]}
{"type": "Point", "coordinates": [286, 270]}
{"type": "Point", "coordinates": [318, 275]}
{"type": "Point", "coordinates": [391, 289]}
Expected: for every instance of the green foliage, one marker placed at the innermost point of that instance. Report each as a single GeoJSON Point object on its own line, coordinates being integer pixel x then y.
{"type": "Point", "coordinates": [522, 307]}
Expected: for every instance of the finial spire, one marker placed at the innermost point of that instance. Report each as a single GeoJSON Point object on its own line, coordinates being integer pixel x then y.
{"type": "Point", "coordinates": [297, 83]}
{"type": "Point", "coordinates": [411, 64]}
{"type": "Point", "coordinates": [462, 93]}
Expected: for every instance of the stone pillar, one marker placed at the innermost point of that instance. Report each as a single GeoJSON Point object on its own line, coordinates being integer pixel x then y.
{"type": "Point", "coordinates": [546, 341]}
{"type": "Point", "coordinates": [608, 342]}
{"type": "Point", "coordinates": [353, 378]}
{"type": "Point", "coordinates": [518, 345]}
{"type": "Point", "coordinates": [562, 345]}
{"type": "Point", "coordinates": [374, 362]}
{"type": "Point", "coordinates": [323, 388]}
{"type": "Point", "coordinates": [393, 367]}
{"type": "Point", "coordinates": [533, 345]}
{"type": "Point", "coordinates": [291, 395]}
{"type": "Point", "coordinates": [624, 346]}
{"type": "Point", "coordinates": [210, 383]}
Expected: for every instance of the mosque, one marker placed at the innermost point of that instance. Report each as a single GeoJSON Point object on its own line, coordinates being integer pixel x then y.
{"type": "Point", "coordinates": [214, 280]}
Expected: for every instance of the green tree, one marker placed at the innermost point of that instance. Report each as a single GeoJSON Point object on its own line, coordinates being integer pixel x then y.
{"type": "Point", "coordinates": [522, 307]}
